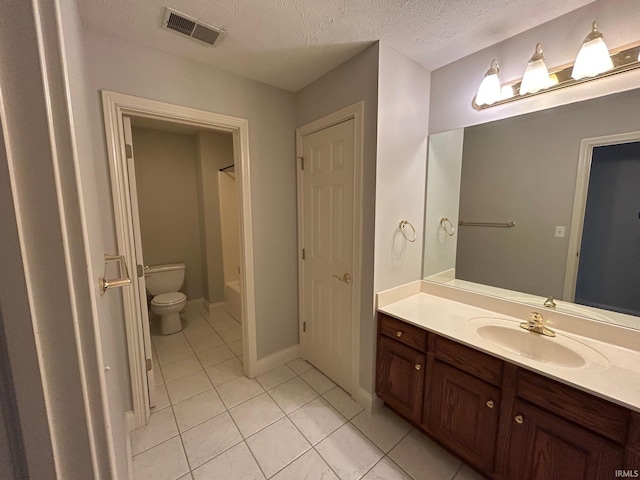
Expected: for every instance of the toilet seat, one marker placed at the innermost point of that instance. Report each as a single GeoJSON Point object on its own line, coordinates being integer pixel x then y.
{"type": "Point", "coordinates": [167, 299]}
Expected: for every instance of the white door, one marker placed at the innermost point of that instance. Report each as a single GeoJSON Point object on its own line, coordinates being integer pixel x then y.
{"type": "Point", "coordinates": [142, 289]}
{"type": "Point", "coordinates": [328, 241]}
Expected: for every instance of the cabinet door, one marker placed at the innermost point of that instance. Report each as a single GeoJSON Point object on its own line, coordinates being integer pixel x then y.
{"type": "Point", "coordinates": [462, 412]}
{"type": "Point", "coordinates": [543, 446]}
{"type": "Point", "coordinates": [400, 379]}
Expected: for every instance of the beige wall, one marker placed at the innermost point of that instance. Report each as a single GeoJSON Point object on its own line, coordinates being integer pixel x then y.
{"type": "Point", "coordinates": [120, 66]}
{"type": "Point", "coordinates": [214, 151]}
{"type": "Point", "coordinates": [395, 92]}
{"type": "Point", "coordinates": [353, 81]}
{"type": "Point", "coordinates": [168, 202]}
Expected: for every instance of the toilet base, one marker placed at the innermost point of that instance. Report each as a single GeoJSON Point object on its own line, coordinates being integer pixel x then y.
{"type": "Point", "coordinates": [170, 323]}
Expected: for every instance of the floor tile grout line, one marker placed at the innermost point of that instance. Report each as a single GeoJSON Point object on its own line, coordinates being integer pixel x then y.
{"type": "Point", "coordinates": [184, 448]}
{"type": "Point", "coordinates": [312, 446]}
{"type": "Point", "coordinates": [215, 456]}
{"type": "Point", "coordinates": [286, 415]}
{"type": "Point", "coordinates": [244, 440]}
{"type": "Point", "coordinates": [325, 461]}
{"type": "Point", "coordinates": [396, 463]}
{"type": "Point", "coordinates": [153, 446]}
{"type": "Point", "coordinates": [457, 471]}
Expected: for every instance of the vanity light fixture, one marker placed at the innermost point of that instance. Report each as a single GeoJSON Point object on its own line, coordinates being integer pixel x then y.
{"type": "Point", "coordinates": [536, 76]}
{"type": "Point", "coordinates": [593, 57]}
{"type": "Point", "coordinates": [490, 90]}
{"type": "Point", "coordinates": [538, 79]}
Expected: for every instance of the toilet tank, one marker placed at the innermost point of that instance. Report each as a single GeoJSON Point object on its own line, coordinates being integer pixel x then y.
{"type": "Point", "coordinates": [164, 278]}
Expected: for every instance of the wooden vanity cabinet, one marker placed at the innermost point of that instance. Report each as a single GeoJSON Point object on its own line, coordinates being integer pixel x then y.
{"type": "Point", "coordinates": [506, 421]}
{"type": "Point", "coordinates": [462, 412]}
{"type": "Point", "coordinates": [632, 458]}
{"type": "Point", "coordinates": [559, 432]}
{"type": "Point", "coordinates": [400, 367]}
{"type": "Point", "coordinates": [462, 400]}
{"type": "Point", "coordinates": [545, 446]}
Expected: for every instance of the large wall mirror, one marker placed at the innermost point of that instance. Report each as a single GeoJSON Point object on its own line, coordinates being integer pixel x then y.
{"type": "Point", "coordinates": [542, 205]}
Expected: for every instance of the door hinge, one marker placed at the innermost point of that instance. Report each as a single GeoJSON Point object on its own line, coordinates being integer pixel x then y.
{"type": "Point", "coordinates": [128, 150]}
{"type": "Point", "coordinates": [301, 163]}
{"type": "Point", "coordinates": [140, 270]}
{"type": "Point", "coordinates": [304, 327]}
{"type": "Point", "coordinates": [148, 364]}
{"type": "Point", "coordinates": [303, 254]}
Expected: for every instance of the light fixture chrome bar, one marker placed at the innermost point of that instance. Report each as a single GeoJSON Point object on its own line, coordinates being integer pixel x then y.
{"type": "Point", "coordinates": [624, 60]}
{"type": "Point", "coordinates": [462, 223]}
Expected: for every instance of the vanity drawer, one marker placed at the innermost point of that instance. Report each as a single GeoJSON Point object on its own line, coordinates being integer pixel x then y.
{"type": "Point", "coordinates": [410, 335]}
{"type": "Point", "coordinates": [468, 360]}
{"type": "Point", "coordinates": [596, 414]}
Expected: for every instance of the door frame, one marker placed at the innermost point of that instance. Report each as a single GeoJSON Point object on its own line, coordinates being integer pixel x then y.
{"type": "Point", "coordinates": [580, 204]}
{"type": "Point", "coordinates": [355, 112]}
{"type": "Point", "coordinates": [115, 107]}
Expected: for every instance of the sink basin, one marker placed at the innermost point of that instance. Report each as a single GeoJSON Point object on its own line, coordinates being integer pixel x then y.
{"type": "Point", "coordinates": [559, 351]}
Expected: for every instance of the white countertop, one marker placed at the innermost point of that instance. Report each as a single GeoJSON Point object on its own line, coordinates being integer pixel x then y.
{"type": "Point", "coordinates": [617, 380]}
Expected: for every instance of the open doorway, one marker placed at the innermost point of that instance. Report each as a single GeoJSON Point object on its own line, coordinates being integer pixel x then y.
{"type": "Point", "coordinates": [609, 265]}
{"type": "Point", "coordinates": [119, 110]}
{"type": "Point", "coordinates": [187, 202]}
{"type": "Point", "coordinates": [603, 263]}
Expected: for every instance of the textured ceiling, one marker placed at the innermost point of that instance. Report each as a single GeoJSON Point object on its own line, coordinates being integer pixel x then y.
{"type": "Point", "coordinates": [290, 43]}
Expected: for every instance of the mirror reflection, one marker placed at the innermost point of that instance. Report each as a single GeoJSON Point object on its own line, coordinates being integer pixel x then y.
{"type": "Point", "coordinates": [569, 180]}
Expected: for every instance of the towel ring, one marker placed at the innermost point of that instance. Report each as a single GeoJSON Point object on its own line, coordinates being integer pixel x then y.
{"type": "Point", "coordinates": [403, 224]}
{"type": "Point", "coordinates": [444, 221]}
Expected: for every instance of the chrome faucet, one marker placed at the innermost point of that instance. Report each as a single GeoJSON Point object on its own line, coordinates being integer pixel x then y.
{"type": "Point", "coordinates": [549, 303]}
{"type": "Point", "coordinates": [536, 325]}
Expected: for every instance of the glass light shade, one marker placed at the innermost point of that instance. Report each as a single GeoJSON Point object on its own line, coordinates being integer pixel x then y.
{"type": "Point", "coordinates": [593, 58]}
{"type": "Point", "coordinates": [489, 91]}
{"type": "Point", "coordinates": [536, 76]}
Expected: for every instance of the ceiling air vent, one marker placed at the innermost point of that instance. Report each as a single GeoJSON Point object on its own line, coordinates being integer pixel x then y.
{"type": "Point", "coordinates": [181, 23]}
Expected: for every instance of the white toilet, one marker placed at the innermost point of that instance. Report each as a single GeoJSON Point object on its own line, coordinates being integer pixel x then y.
{"type": "Point", "coordinates": [163, 282]}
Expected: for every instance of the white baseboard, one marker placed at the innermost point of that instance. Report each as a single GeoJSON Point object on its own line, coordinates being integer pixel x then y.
{"type": "Point", "coordinates": [217, 307]}
{"type": "Point", "coordinates": [369, 401]}
{"type": "Point", "coordinates": [277, 359]}
{"type": "Point", "coordinates": [130, 421]}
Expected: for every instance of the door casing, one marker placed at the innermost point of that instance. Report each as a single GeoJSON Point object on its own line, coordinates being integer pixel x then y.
{"type": "Point", "coordinates": [356, 112]}
{"type": "Point", "coordinates": [115, 107]}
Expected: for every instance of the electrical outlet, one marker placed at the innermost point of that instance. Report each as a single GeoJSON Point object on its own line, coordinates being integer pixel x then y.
{"type": "Point", "coordinates": [560, 231]}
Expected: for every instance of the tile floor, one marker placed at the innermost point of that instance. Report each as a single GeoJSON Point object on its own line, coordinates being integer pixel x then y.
{"type": "Point", "coordinates": [210, 422]}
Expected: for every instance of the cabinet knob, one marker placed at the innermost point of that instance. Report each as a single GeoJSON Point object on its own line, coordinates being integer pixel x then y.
{"type": "Point", "coordinates": [398, 333]}
{"type": "Point", "coordinates": [519, 419]}
{"type": "Point", "coordinates": [490, 403]}
{"type": "Point", "coordinates": [418, 366]}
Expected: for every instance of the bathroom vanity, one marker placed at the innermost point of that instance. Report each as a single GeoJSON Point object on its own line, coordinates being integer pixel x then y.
{"type": "Point", "coordinates": [510, 403]}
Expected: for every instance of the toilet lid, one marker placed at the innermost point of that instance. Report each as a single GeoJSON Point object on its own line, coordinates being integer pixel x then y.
{"type": "Point", "coordinates": [168, 298]}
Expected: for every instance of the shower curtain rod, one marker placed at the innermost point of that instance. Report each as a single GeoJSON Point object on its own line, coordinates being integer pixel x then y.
{"type": "Point", "coordinates": [227, 167]}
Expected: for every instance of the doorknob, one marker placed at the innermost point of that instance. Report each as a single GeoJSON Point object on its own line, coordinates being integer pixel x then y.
{"type": "Point", "coordinates": [124, 279]}
{"type": "Point", "coordinates": [346, 278]}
